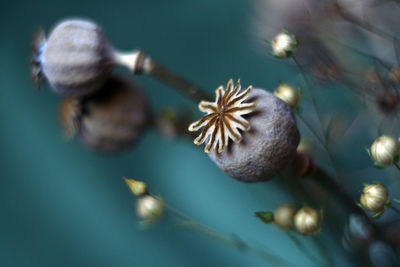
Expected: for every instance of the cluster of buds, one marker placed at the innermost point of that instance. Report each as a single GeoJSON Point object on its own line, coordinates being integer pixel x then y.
{"type": "Point", "coordinates": [385, 151]}
{"type": "Point", "coordinates": [375, 198]}
{"type": "Point", "coordinates": [148, 207]}
{"type": "Point", "coordinates": [306, 221]}
{"type": "Point", "coordinates": [290, 95]}
{"type": "Point", "coordinates": [284, 44]}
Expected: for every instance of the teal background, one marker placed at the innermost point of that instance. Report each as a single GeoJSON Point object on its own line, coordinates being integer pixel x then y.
{"type": "Point", "coordinates": [65, 205]}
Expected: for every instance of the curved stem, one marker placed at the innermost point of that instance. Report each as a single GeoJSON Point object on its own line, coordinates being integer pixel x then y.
{"type": "Point", "coordinates": [395, 210]}
{"type": "Point", "coordinates": [142, 63]}
{"type": "Point", "coordinates": [314, 103]}
{"type": "Point", "coordinates": [233, 241]}
{"type": "Point", "coordinates": [397, 165]}
{"type": "Point", "coordinates": [301, 247]}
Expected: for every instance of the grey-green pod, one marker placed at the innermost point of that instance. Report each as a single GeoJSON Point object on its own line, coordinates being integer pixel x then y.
{"type": "Point", "coordinates": [268, 147]}
{"type": "Point", "coordinates": [114, 118]}
{"type": "Point", "coordinates": [76, 58]}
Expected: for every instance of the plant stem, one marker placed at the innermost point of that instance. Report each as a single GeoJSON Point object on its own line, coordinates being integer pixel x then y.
{"type": "Point", "coordinates": [144, 64]}
{"type": "Point", "coordinates": [397, 165]}
{"type": "Point", "coordinates": [300, 246]}
{"type": "Point", "coordinates": [395, 210]}
{"type": "Point", "coordinates": [314, 103]}
{"type": "Point", "coordinates": [234, 241]}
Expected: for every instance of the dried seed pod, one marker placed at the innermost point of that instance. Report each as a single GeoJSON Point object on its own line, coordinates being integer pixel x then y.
{"type": "Point", "coordinates": [385, 151]}
{"type": "Point", "coordinates": [307, 221]}
{"type": "Point", "coordinates": [150, 208]}
{"type": "Point", "coordinates": [76, 58]}
{"type": "Point", "coordinates": [284, 216]}
{"type": "Point", "coordinates": [268, 147]}
{"type": "Point", "coordinates": [375, 197]}
{"type": "Point", "coordinates": [114, 118]}
{"type": "Point", "coordinates": [288, 94]}
{"type": "Point", "coordinates": [284, 45]}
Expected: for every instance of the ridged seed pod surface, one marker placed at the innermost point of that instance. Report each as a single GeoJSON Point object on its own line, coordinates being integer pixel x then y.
{"type": "Point", "coordinates": [114, 118]}
{"type": "Point", "coordinates": [76, 58]}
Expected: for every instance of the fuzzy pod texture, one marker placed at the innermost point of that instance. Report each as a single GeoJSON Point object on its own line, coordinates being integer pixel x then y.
{"type": "Point", "coordinates": [268, 147]}
{"type": "Point", "coordinates": [76, 58]}
{"type": "Point", "coordinates": [114, 118]}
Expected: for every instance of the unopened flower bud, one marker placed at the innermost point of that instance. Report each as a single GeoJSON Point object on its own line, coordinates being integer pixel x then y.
{"type": "Point", "coordinates": [375, 197]}
{"type": "Point", "coordinates": [305, 147]}
{"type": "Point", "coordinates": [284, 45]}
{"type": "Point", "coordinates": [150, 208]}
{"type": "Point", "coordinates": [284, 216]}
{"type": "Point", "coordinates": [307, 221]}
{"type": "Point", "coordinates": [385, 151]}
{"type": "Point", "coordinates": [138, 188]}
{"type": "Point", "coordinates": [288, 94]}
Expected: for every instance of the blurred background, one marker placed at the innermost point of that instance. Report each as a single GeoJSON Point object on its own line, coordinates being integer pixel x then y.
{"type": "Point", "coordinates": [64, 204]}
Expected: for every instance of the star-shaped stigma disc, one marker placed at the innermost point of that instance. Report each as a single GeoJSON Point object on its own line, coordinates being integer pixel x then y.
{"type": "Point", "coordinates": [224, 117]}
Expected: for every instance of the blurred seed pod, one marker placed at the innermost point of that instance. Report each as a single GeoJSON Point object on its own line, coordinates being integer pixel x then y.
{"type": "Point", "coordinates": [375, 197]}
{"type": "Point", "coordinates": [150, 208]}
{"type": "Point", "coordinates": [307, 221]}
{"type": "Point", "coordinates": [288, 94]}
{"type": "Point", "coordinates": [302, 164]}
{"type": "Point", "coordinates": [382, 255]}
{"type": "Point", "coordinates": [358, 233]}
{"type": "Point", "coordinates": [113, 119]}
{"type": "Point", "coordinates": [77, 57]}
{"type": "Point", "coordinates": [138, 188]}
{"type": "Point", "coordinates": [284, 216]}
{"type": "Point", "coordinates": [268, 147]}
{"type": "Point", "coordinates": [284, 45]}
{"type": "Point", "coordinates": [385, 151]}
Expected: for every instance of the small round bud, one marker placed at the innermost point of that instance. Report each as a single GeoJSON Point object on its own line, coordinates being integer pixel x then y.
{"type": "Point", "coordinates": [150, 208]}
{"type": "Point", "coordinates": [138, 188]}
{"type": "Point", "coordinates": [307, 221]}
{"type": "Point", "coordinates": [305, 146]}
{"type": "Point", "coordinates": [385, 151]}
{"type": "Point", "coordinates": [76, 58]}
{"type": "Point", "coordinates": [284, 45]}
{"type": "Point", "coordinates": [112, 119]}
{"type": "Point", "coordinates": [284, 216]}
{"type": "Point", "coordinates": [375, 197]}
{"type": "Point", "coordinates": [268, 147]}
{"type": "Point", "coordinates": [289, 95]}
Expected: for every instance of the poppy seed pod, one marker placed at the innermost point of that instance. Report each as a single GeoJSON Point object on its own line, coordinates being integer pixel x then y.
{"type": "Point", "coordinates": [385, 151]}
{"type": "Point", "coordinates": [114, 118]}
{"type": "Point", "coordinates": [269, 145]}
{"type": "Point", "coordinates": [76, 58]}
{"type": "Point", "coordinates": [288, 94]}
{"type": "Point", "coordinates": [307, 221]}
{"type": "Point", "coordinates": [284, 45]}
{"type": "Point", "coordinates": [150, 208]}
{"type": "Point", "coordinates": [375, 197]}
{"type": "Point", "coordinates": [284, 216]}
